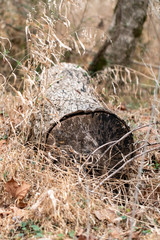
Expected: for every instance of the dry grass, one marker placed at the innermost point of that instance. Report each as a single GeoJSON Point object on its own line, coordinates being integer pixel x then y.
{"type": "Point", "coordinates": [64, 201]}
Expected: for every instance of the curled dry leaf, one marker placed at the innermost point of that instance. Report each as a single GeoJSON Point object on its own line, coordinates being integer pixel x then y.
{"type": "Point", "coordinates": [17, 191]}
{"type": "Point", "coordinates": [21, 204]}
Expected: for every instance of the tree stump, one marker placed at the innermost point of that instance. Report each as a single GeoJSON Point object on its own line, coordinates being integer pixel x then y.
{"type": "Point", "coordinates": [72, 116]}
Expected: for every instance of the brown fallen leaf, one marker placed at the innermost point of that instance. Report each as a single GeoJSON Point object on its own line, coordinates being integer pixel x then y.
{"type": "Point", "coordinates": [20, 204]}
{"type": "Point", "coordinates": [22, 190]}
{"type": "Point", "coordinates": [123, 107]}
{"type": "Point", "coordinates": [82, 237]}
{"type": "Point", "coordinates": [18, 213]}
{"type": "Point", "coordinates": [16, 190]}
{"type": "Point", "coordinates": [106, 214]}
{"type": "Point", "coordinates": [13, 212]}
{"type": "Point", "coordinates": [11, 187]}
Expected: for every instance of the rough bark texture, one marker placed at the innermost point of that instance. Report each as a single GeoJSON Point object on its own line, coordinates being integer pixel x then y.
{"type": "Point", "coordinates": [127, 25]}
{"type": "Point", "coordinates": [73, 117]}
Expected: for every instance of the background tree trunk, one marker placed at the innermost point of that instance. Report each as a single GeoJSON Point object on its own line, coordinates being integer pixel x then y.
{"type": "Point", "coordinates": [129, 17]}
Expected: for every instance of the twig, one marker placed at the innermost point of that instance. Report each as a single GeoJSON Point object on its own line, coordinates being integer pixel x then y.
{"type": "Point", "coordinates": [114, 143]}
{"type": "Point", "coordinates": [124, 136]}
{"type": "Point", "coordinates": [130, 160]}
{"type": "Point", "coordinates": [153, 114]}
{"type": "Point", "coordinates": [131, 153]}
{"type": "Point", "coordinates": [144, 65]}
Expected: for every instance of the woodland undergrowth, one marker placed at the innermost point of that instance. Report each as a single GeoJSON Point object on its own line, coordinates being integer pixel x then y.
{"type": "Point", "coordinates": [42, 197]}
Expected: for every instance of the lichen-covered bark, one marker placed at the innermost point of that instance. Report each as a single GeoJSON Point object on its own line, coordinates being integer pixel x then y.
{"type": "Point", "coordinates": [129, 17]}
{"type": "Point", "coordinates": [68, 91]}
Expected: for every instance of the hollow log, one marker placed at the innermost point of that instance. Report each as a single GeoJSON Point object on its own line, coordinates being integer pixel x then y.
{"type": "Point", "coordinates": [72, 116]}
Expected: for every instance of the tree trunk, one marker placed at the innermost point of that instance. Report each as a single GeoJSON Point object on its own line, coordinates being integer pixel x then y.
{"type": "Point", "coordinates": [72, 117]}
{"type": "Point", "coordinates": [129, 17]}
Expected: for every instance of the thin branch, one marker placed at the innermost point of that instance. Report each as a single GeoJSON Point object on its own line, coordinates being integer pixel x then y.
{"type": "Point", "coordinates": [120, 168]}
{"type": "Point", "coordinates": [144, 65]}
{"type": "Point", "coordinates": [153, 114]}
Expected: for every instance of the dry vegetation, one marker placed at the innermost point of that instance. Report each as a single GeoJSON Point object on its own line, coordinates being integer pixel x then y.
{"type": "Point", "coordinates": [51, 197]}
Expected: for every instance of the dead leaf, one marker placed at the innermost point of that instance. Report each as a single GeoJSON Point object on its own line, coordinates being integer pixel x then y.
{"type": "Point", "coordinates": [22, 190]}
{"type": "Point", "coordinates": [20, 204]}
{"type": "Point", "coordinates": [14, 212]}
{"type": "Point", "coordinates": [82, 237]}
{"type": "Point", "coordinates": [18, 213]}
{"type": "Point", "coordinates": [106, 214]}
{"type": "Point", "coordinates": [11, 187]}
{"type": "Point", "coordinates": [17, 191]}
{"type": "Point", "coordinates": [123, 107]}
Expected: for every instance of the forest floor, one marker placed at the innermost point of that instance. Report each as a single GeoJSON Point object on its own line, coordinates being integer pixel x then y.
{"type": "Point", "coordinates": [42, 198]}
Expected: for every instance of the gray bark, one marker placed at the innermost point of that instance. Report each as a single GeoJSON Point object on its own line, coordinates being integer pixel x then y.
{"type": "Point", "coordinates": [129, 17]}
{"type": "Point", "coordinates": [72, 117]}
